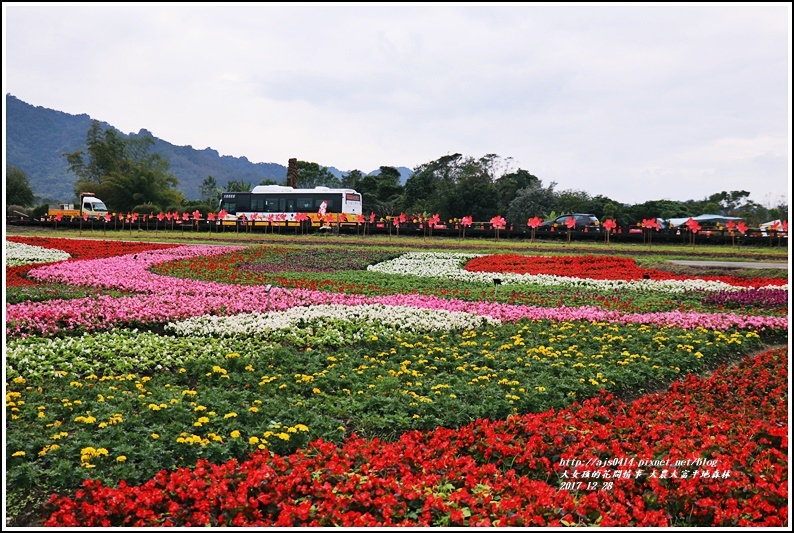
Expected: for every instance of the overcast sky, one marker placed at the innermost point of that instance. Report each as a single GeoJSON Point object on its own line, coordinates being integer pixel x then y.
{"type": "Point", "coordinates": [639, 102]}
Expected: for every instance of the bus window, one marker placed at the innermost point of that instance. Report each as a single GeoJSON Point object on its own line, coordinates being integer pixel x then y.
{"type": "Point", "coordinates": [271, 205]}
{"type": "Point", "coordinates": [290, 205]}
{"type": "Point", "coordinates": [305, 205]}
{"type": "Point", "coordinates": [230, 205]}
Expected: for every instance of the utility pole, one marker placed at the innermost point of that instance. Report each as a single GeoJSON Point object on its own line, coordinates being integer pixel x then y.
{"type": "Point", "coordinates": [292, 173]}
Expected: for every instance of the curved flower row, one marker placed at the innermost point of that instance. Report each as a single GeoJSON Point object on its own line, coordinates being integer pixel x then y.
{"type": "Point", "coordinates": [719, 446]}
{"type": "Point", "coordinates": [166, 299]}
{"type": "Point", "coordinates": [594, 267]}
{"type": "Point", "coordinates": [17, 254]}
{"type": "Point", "coordinates": [369, 318]}
{"type": "Point", "coordinates": [449, 265]}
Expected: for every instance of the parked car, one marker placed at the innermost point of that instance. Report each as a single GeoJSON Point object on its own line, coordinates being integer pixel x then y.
{"type": "Point", "coordinates": [584, 222]}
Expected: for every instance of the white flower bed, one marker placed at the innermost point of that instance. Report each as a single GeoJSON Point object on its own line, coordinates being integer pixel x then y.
{"type": "Point", "coordinates": [330, 323]}
{"type": "Point", "coordinates": [23, 254]}
{"type": "Point", "coordinates": [450, 266]}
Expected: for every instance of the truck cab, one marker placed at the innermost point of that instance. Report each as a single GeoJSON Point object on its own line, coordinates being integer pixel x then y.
{"type": "Point", "coordinates": [92, 206]}
{"type": "Point", "coordinates": [89, 205]}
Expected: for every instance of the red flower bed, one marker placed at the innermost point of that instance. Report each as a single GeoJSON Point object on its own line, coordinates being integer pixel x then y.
{"type": "Point", "coordinates": [78, 249]}
{"type": "Point", "coordinates": [16, 276]}
{"type": "Point", "coordinates": [90, 248]}
{"type": "Point", "coordinates": [594, 267]}
{"type": "Point", "coordinates": [731, 430]}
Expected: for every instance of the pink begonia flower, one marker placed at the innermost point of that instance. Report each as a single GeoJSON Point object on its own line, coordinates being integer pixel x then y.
{"type": "Point", "coordinates": [155, 303]}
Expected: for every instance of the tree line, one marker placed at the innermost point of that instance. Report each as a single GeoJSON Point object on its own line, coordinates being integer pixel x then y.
{"type": "Point", "coordinates": [128, 178]}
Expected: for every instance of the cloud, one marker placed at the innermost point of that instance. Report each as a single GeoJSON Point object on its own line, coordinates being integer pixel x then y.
{"type": "Point", "coordinates": [632, 102]}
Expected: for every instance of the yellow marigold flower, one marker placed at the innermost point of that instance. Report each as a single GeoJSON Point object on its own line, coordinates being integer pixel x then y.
{"type": "Point", "coordinates": [230, 415]}
{"type": "Point", "coordinates": [253, 440]}
{"type": "Point", "coordinates": [121, 459]}
{"type": "Point", "coordinates": [282, 436]}
{"type": "Point", "coordinates": [235, 434]}
{"type": "Point", "coordinates": [18, 454]}
{"type": "Point", "coordinates": [19, 380]}
{"type": "Point", "coordinates": [155, 436]}
{"type": "Point", "coordinates": [301, 427]}
{"type": "Point", "coordinates": [253, 409]}
{"type": "Point", "coordinates": [316, 390]}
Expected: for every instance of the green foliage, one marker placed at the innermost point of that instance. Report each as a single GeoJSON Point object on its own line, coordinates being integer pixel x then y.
{"type": "Point", "coordinates": [508, 186]}
{"type": "Point", "coordinates": [53, 291]}
{"type": "Point", "coordinates": [18, 190]}
{"type": "Point", "coordinates": [311, 175]}
{"type": "Point", "coordinates": [40, 211]}
{"type": "Point", "coordinates": [352, 179]}
{"type": "Point", "coordinates": [139, 395]}
{"type": "Point", "coordinates": [210, 192]}
{"type": "Point", "coordinates": [122, 172]}
{"type": "Point", "coordinates": [381, 192]}
{"type": "Point", "coordinates": [573, 201]}
{"type": "Point", "coordinates": [238, 186]}
{"type": "Point", "coordinates": [192, 205]}
{"type": "Point", "coordinates": [532, 201]}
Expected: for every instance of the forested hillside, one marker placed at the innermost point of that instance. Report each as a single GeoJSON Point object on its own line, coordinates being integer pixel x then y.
{"type": "Point", "coordinates": [36, 137]}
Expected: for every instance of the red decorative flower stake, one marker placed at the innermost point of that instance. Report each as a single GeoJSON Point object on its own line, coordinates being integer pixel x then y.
{"type": "Point", "coordinates": [465, 222]}
{"type": "Point", "coordinates": [534, 223]}
{"type": "Point", "coordinates": [694, 227]}
{"type": "Point", "coordinates": [731, 226]}
{"type": "Point", "coordinates": [570, 223]}
{"type": "Point", "coordinates": [359, 221]}
{"type": "Point", "coordinates": [609, 225]}
{"type": "Point", "coordinates": [432, 221]}
{"type": "Point", "coordinates": [650, 224]}
{"type": "Point", "coordinates": [498, 223]}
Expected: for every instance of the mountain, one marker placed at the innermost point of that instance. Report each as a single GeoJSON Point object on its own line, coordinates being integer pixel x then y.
{"type": "Point", "coordinates": [36, 138]}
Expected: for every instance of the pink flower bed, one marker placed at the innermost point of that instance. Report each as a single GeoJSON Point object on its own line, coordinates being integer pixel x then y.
{"type": "Point", "coordinates": [164, 299]}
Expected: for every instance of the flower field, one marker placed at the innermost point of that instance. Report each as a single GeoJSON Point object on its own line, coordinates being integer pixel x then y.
{"type": "Point", "coordinates": [285, 385]}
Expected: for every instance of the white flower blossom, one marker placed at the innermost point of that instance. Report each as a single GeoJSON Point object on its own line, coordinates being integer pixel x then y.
{"type": "Point", "coordinates": [23, 254]}
{"type": "Point", "coordinates": [450, 266]}
{"type": "Point", "coordinates": [329, 322]}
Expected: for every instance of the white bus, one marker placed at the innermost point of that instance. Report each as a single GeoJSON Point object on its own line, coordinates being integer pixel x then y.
{"type": "Point", "coordinates": [278, 203]}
